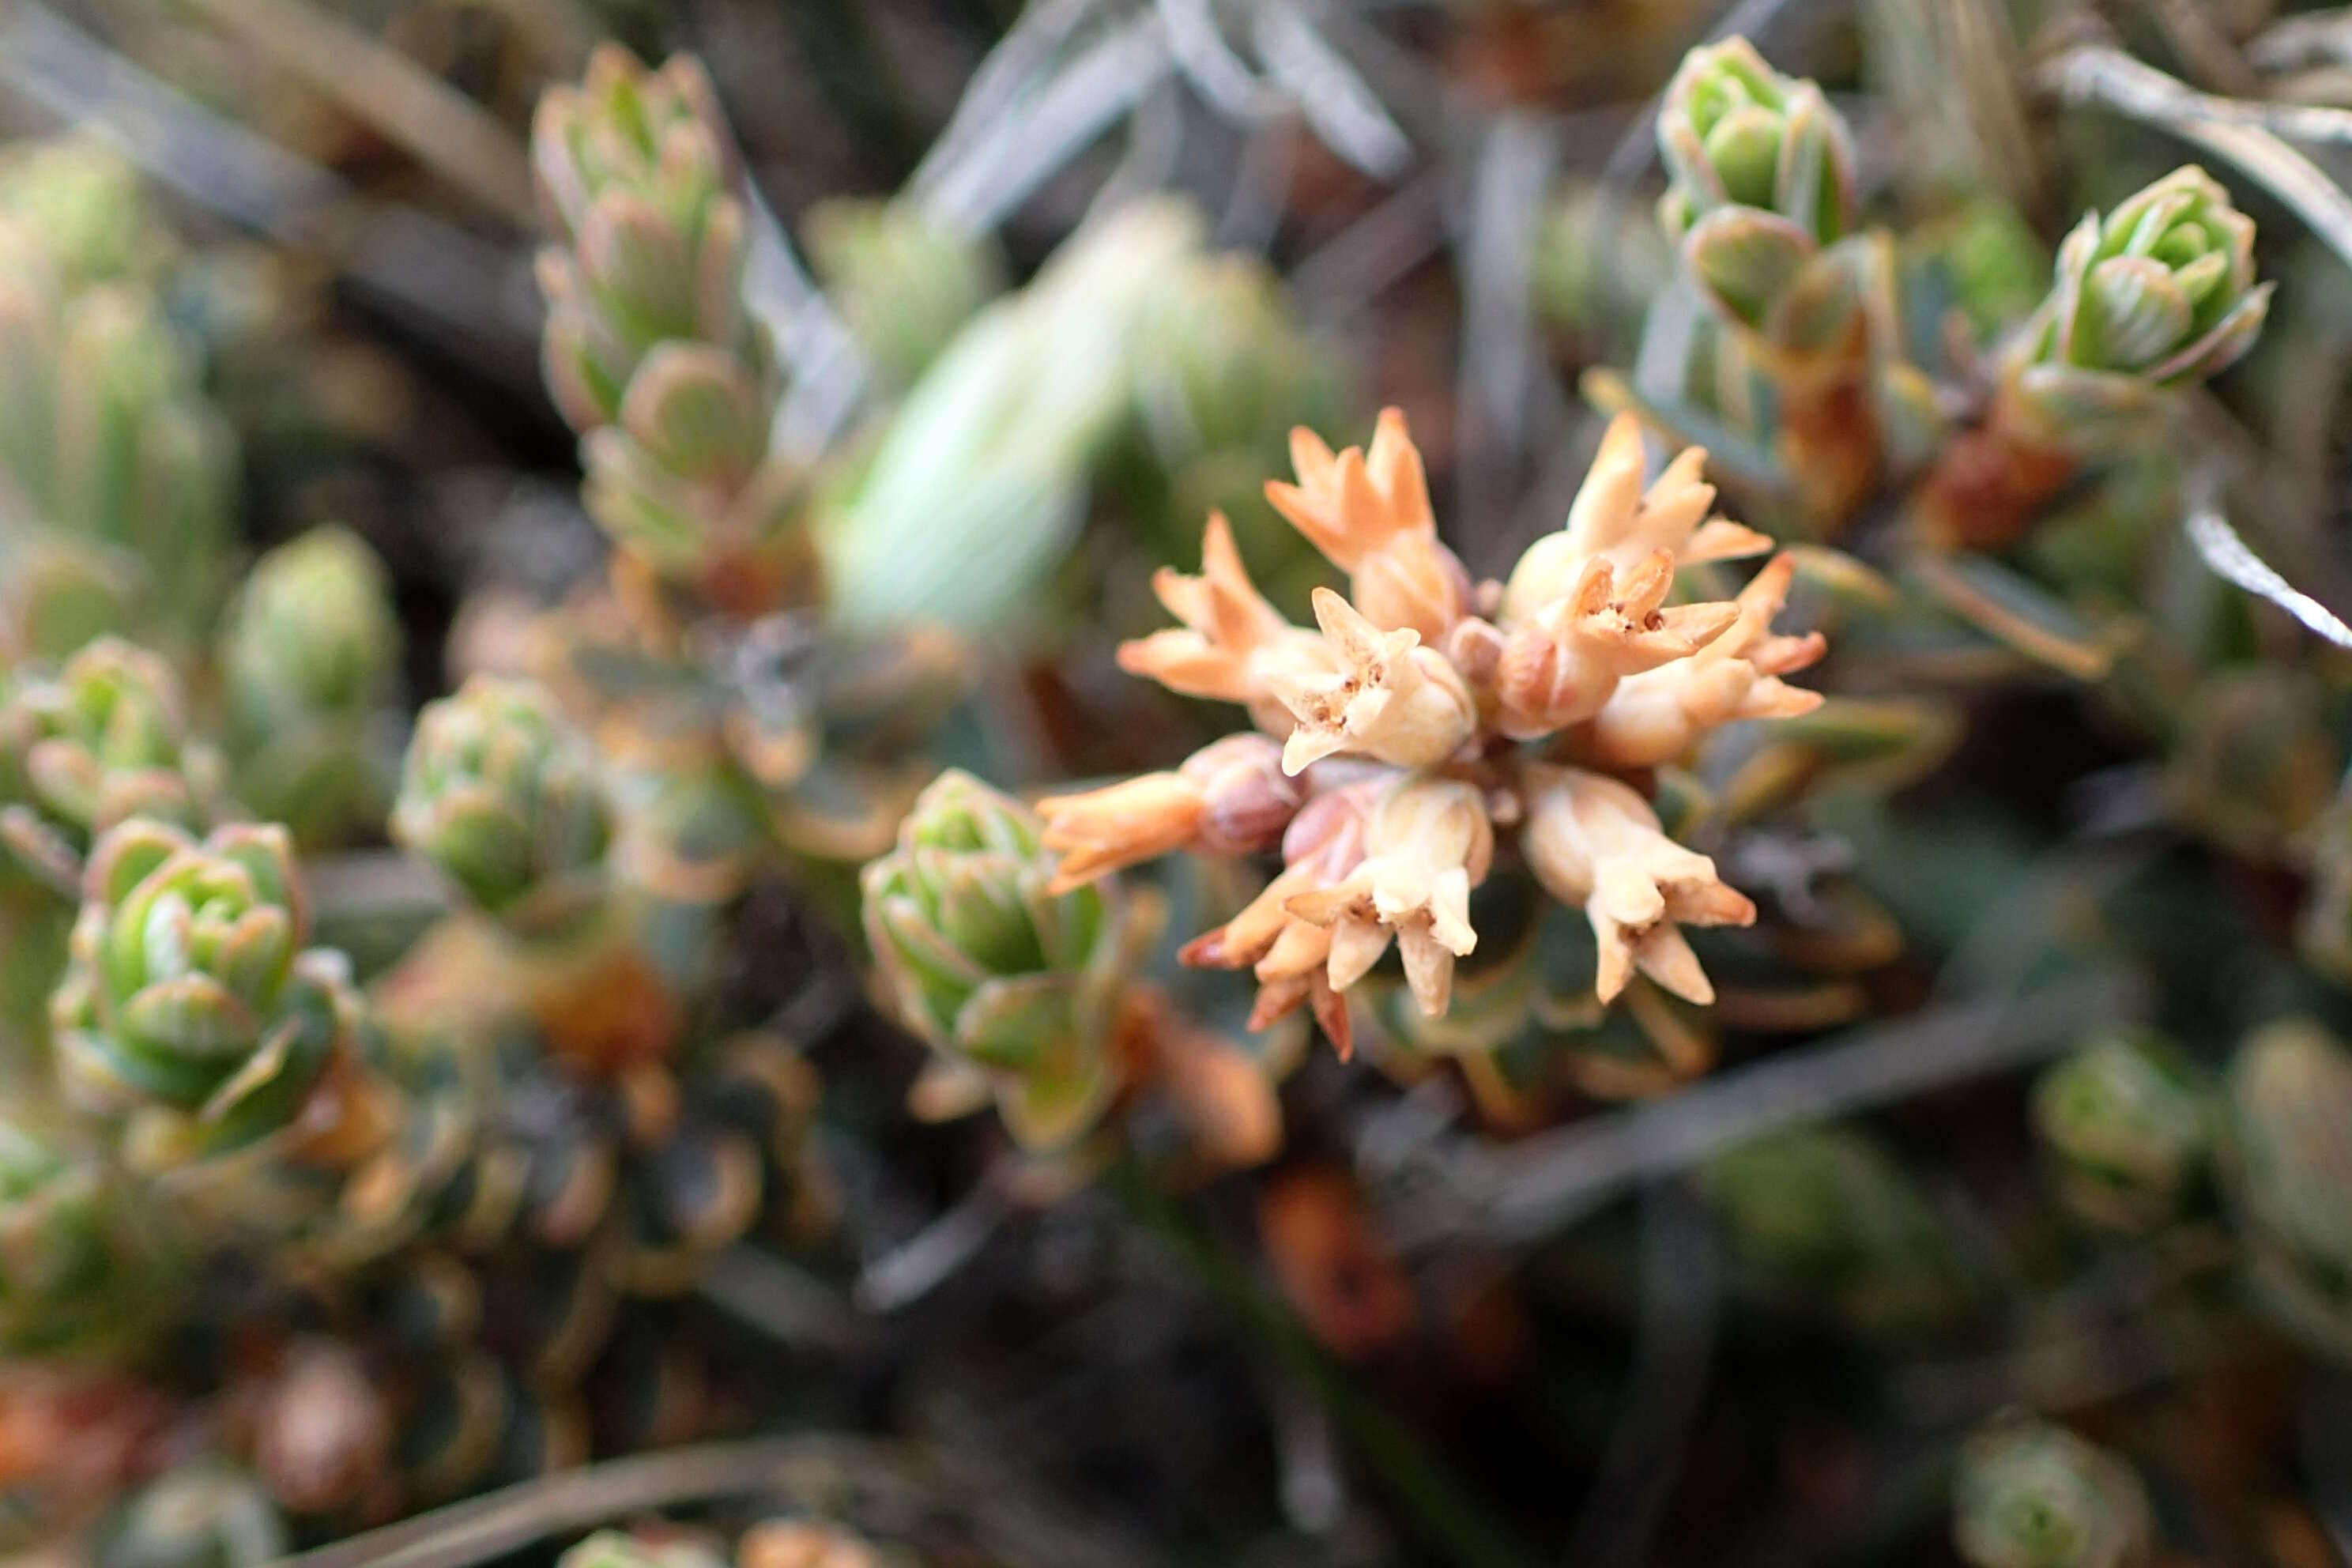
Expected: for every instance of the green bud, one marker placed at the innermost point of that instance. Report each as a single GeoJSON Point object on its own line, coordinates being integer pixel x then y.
{"type": "Point", "coordinates": [86, 203]}
{"type": "Point", "coordinates": [192, 1008]}
{"type": "Point", "coordinates": [2289, 1169]}
{"type": "Point", "coordinates": [684, 478]}
{"type": "Point", "coordinates": [2159, 293]}
{"type": "Point", "coordinates": [2253, 766]}
{"type": "Point", "coordinates": [1008, 982]}
{"type": "Point", "coordinates": [143, 462]}
{"type": "Point", "coordinates": [502, 794]}
{"type": "Point", "coordinates": [312, 631]}
{"type": "Point", "coordinates": [635, 170]}
{"type": "Point", "coordinates": [202, 1515]}
{"type": "Point", "coordinates": [2127, 1124]}
{"type": "Point", "coordinates": [121, 474]}
{"type": "Point", "coordinates": [309, 649]}
{"type": "Point", "coordinates": [649, 350]}
{"type": "Point", "coordinates": [2030, 1495]}
{"type": "Point", "coordinates": [1736, 133]}
{"type": "Point", "coordinates": [1760, 178]}
{"type": "Point", "coordinates": [902, 280]}
{"type": "Point", "coordinates": [97, 743]}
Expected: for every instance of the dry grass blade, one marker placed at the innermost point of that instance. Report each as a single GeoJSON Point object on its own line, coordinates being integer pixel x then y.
{"type": "Point", "coordinates": [2233, 560]}
{"type": "Point", "coordinates": [2101, 74]}
{"type": "Point", "coordinates": [576, 1500]}
{"type": "Point", "coordinates": [1497, 390]}
{"type": "Point", "coordinates": [396, 99]}
{"type": "Point", "coordinates": [1035, 138]}
{"type": "Point", "coordinates": [2313, 38]}
{"type": "Point", "coordinates": [1533, 1188]}
{"type": "Point", "coordinates": [816, 1470]}
{"type": "Point", "coordinates": [429, 269]}
{"type": "Point", "coordinates": [1345, 114]}
{"type": "Point", "coordinates": [1951, 70]}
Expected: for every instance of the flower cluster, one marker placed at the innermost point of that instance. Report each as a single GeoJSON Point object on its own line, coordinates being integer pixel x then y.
{"type": "Point", "coordinates": [1430, 723]}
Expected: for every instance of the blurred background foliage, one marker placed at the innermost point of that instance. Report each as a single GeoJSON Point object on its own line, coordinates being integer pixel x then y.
{"type": "Point", "coordinates": [724, 450]}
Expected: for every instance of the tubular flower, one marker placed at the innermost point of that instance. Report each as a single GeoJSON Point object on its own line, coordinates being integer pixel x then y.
{"type": "Point", "coordinates": [193, 1008]}
{"type": "Point", "coordinates": [1594, 841]}
{"type": "Point", "coordinates": [1231, 797]}
{"type": "Point", "coordinates": [1615, 520]}
{"type": "Point", "coordinates": [1656, 716]}
{"type": "Point", "coordinates": [1367, 510]}
{"type": "Point", "coordinates": [1233, 644]}
{"type": "Point", "coordinates": [1389, 698]}
{"type": "Point", "coordinates": [1322, 846]}
{"type": "Point", "coordinates": [1400, 776]}
{"type": "Point", "coordinates": [1562, 664]}
{"type": "Point", "coordinates": [1426, 845]}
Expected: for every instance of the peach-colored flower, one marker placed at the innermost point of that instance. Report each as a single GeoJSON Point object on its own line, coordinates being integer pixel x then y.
{"type": "Point", "coordinates": [1655, 716]}
{"type": "Point", "coordinates": [1323, 844]}
{"type": "Point", "coordinates": [1594, 841]}
{"type": "Point", "coordinates": [1559, 666]}
{"type": "Point", "coordinates": [1369, 512]}
{"type": "Point", "coordinates": [1230, 797]}
{"type": "Point", "coordinates": [1386, 697]}
{"type": "Point", "coordinates": [1613, 519]}
{"type": "Point", "coordinates": [1426, 845]}
{"type": "Point", "coordinates": [1232, 640]}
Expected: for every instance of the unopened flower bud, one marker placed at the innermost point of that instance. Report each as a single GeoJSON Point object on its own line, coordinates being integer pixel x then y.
{"type": "Point", "coordinates": [2030, 1495]}
{"type": "Point", "coordinates": [1761, 175]}
{"type": "Point", "coordinates": [2161, 292]}
{"type": "Point", "coordinates": [1012, 983]}
{"type": "Point", "coordinates": [96, 743]}
{"type": "Point", "coordinates": [1247, 800]}
{"type": "Point", "coordinates": [194, 1007]}
{"type": "Point", "coordinates": [2129, 1129]}
{"type": "Point", "coordinates": [1231, 797]}
{"type": "Point", "coordinates": [503, 794]}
